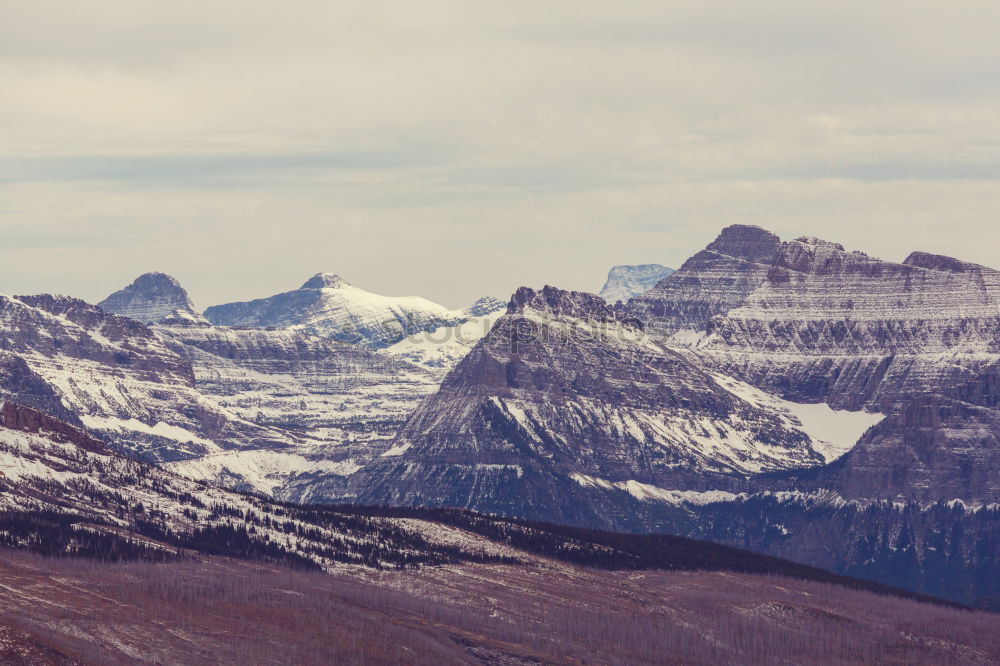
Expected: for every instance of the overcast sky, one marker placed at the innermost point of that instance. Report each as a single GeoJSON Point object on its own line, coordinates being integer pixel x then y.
{"type": "Point", "coordinates": [458, 149]}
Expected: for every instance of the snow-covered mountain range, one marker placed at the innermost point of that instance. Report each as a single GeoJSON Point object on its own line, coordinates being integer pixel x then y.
{"type": "Point", "coordinates": [765, 380]}
{"type": "Point", "coordinates": [294, 409]}
{"type": "Point", "coordinates": [560, 377]}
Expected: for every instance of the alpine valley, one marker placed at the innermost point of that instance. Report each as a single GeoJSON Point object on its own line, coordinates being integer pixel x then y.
{"type": "Point", "coordinates": [787, 397]}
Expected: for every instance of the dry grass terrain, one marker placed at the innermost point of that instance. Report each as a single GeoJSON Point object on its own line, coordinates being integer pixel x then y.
{"type": "Point", "coordinates": [215, 610]}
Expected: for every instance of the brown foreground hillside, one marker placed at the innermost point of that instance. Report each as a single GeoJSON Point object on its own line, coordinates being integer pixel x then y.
{"type": "Point", "coordinates": [220, 611]}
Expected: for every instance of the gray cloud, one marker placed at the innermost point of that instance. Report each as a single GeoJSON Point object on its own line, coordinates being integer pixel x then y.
{"type": "Point", "coordinates": [197, 169]}
{"type": "Point", "coordinates": [455, 149]}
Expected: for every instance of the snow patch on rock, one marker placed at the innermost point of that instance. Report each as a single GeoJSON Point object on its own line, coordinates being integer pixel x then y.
{"type": "Point", "coordinates": [833, 432]}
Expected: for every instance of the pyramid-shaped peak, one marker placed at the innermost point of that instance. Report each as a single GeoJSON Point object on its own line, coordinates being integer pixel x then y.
{"type": "Point", "coordinates": [325, 281]}
{"type": "Point", "coordinates": [150, 297]}
{"type": "Point", "coordinates": [748, 242]}
{"type": "Point", "coordinates": [156, 279]}
{"type": "Point", "coordinates": [745, 232]}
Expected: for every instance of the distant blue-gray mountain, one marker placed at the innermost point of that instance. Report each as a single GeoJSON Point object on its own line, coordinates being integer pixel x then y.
{"type": "Point", "coordinates": [625, 282]}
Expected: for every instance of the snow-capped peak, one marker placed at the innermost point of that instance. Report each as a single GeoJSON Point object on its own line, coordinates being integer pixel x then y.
{"type": "Point", "coordinates": [325, 281]}
{"type": "Point", "coordinates": [329, 306]}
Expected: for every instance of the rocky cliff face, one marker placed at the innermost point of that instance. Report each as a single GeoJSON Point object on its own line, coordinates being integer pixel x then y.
{"type": "Point", "coordinates": [934, 446]}
{"type": "Point", "coordinates": [716, 280]}
{"type": "Point", "coordinates": [485, 306]}
{"type": "Point", "coordinates": [14, 416]}
{"type": "Point", "coordinates": [338, 404]}
{"type": "Point", "coordinates": [627, 282]}
{"type": "Point", "coordinates": [113, 375]}
{"type": "Point", "coordinates": [854, 330]}
{"type": "Point", "coordinates": [329, 306]}
{"type": "Point", "coordinates": [151, 298]}
{"type": "Point", "coordinates": [563, 393]}
{"type": "Point", "coordinates": [823, 324]}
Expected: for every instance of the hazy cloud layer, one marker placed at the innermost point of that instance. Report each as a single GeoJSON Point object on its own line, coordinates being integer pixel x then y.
{"type": "Point", "coordinates": [456, 149]}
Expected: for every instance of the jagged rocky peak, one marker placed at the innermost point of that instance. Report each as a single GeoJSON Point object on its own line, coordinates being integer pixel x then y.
{"type": "Point", "coordinates": [812, 240]}
{"type": "Point", "coordinates": [860, 333]}
{"type": "Point", "coordinates": [938, 262]}
{"type": "Point", "coordinates": [559, 302]}
{"type": "Point", "coordinates": [152, 297]}
{"type": "Point", "coordinates": [745, 241]}
{"type": "Point", "coordinates": [626, 282]}
{"type": "Point", "coordinates": [814, 255]}
{"type": "Point", "coordinates": [710, 283]}
{"type": "Point", "coordinates": [78, 312]}
{"type": "Point", "coordinates": [325, 281]}
{"type": "Point", "coordinates": [484, 306]}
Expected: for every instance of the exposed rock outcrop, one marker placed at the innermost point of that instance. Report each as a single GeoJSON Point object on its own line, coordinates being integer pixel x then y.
{"type": "Point", "coordinates": [27, 419]}
{"type": "Point", "coordinates": [151, 298]}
